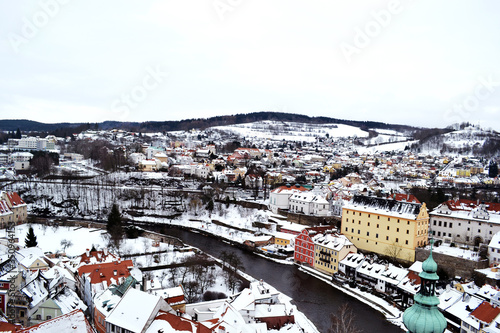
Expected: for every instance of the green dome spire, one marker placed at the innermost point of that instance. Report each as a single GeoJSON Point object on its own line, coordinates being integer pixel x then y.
{"type": "Point", "coordinates": [429, 267]}
{"type": "Point", "coordinates": [424, 316]}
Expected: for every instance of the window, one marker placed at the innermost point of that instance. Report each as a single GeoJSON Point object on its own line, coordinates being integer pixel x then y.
{"type": "Point", "coordinates": [359, 222]}
{"type": "Point", "coordinates": [388, 219]}
{"type": "Point", "coordinates": [439, 233]}
{"type": "Point", "coordinates": [386, 237]}
{"type": "Point", "coordinates": [368, 215]}
{"type": "Point", "coordinates": [478, 231]}
{"type": "Point", "coordinates": [378, 217]}
{"type": "Point", "coordinates": [451, 225]}
{"type": "Point", "coordinates": [440, 223]}
{"type": "Point", "coordinates": [376, 235]}
{"type": "Point", "coordinates": [352, 230]}
{"type": "Point", "coordinates": [407, 232]}
{"type": "Point", "coordinates": [39, 317]}
{"type": "Point", "coordinates": [360, 214]}
{"type": "Point", "coordinates": [377, 225]}
{"type": "Point", "coordinates": [387, 227]}
{"type": "Point", "coordinates": [368, 233]}
{"type": "Point", "coordinates": [346, 228]}
{"type": "Point", "coordinates": [434, 222]}
{"type": "Point", "coordinates": [368, 223]}
{"type": "Point", "coordinates": [397, 240]}
{"type": "Point", "coordinates": [398, 220]}
{"type": "Point", "coordinates": [445, 224]}
{"type": "Point", "coordinates": [406, 242]}
{"type": "Point", "coordinates": [468, 229]}
{"type": "Point", "coordinates": [397, 229]}
{"type": "Point", "coordinates": [48, 317]}
{"type": "Point", "coordinates": [359, 231]}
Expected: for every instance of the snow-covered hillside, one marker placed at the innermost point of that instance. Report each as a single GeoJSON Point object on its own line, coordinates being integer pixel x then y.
{"type": "Point", "coordinates": [464, 140]}
{"type": "Point", "coordinates": [290, 131]}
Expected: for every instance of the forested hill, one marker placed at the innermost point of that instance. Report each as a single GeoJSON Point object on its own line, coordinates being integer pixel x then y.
{"type": "Point", "coordinates": [187, 124]}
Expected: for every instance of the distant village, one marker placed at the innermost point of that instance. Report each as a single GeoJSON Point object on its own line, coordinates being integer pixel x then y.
{"type": "Point", "coordinates": [340, 207]}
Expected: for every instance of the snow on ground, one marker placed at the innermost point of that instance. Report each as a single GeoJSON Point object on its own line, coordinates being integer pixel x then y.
{"type": "Point", "coordinates": [290, 131]}
{"type": "Point", "coordinates": [397, 146]}
{"type": "Point", "coordinates": [49, 239]}
{"type": "Point", "coordinates": [455, 252]}
{"type": "Point", "coordinates": [392, 314]}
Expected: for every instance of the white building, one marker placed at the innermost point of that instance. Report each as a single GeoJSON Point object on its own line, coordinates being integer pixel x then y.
{"type": "Point", "coordinates": [465, 221]}
{"type": "Point", "coordinates": [494, 249]}
{"type": "Point", "coordinates": [279, 198]}
{"type": "Point", "coordinates": [309, 203]}
{"type": "Point", "coordinates": [21, 157]}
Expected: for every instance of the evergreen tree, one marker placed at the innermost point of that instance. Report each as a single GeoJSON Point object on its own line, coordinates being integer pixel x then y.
{"type": "Point", "coordinates": [114, 226]}
{"type": "Point", "coordinates": [18, 134]}
{"type": "Point", "coordinates": [30, 240]}
{"type": "Point", "coordinates": [493, 170]}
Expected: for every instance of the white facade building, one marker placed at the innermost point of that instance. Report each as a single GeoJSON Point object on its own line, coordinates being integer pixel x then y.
{"type": "Point", "coordinates": [279, 197]}
{"type": "Point", "coordinates": [309, 203]}
{"type": "Point", "coordinates": [465, 221]}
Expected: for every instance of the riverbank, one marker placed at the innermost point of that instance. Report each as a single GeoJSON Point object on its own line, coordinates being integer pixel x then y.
{"type": "Point", "coordinates": [392, 314]}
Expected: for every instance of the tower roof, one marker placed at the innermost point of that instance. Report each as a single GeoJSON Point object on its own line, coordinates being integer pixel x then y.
{"type": "Point", "coordinates": [424, 316]}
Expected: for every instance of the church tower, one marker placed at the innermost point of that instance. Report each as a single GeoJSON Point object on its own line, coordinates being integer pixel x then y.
{"type": "Point", "coordinates": [424, 316]}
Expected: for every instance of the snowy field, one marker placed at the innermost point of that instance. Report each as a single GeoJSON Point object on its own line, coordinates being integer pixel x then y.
{"type": "Point", "coordinates": [289, 131]}
{"type": "Point", "coordinates": [49, 240]}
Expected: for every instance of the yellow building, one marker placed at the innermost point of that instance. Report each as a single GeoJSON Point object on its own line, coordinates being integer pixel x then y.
{"type": "Point", "coordinates": [329, 250]}
{"type": "Point", "coordinates": [386, 226]}
{"type": "Point", "coordinates": [463, 173]}
{"type": "Point", "coordinates": [284, 240]}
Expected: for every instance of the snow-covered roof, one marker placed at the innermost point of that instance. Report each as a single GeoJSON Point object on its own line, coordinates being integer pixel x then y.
{"type": "Point", "coordinates": [407, 210]}
{"type": "Point", "coordinates": [134, 310]}
{"type": "Point", "coordinates": [332, 241]}
{"type": "Point", "coordinates": [353, 260]}
{"type": "Point", "coordinates": [74, 322]}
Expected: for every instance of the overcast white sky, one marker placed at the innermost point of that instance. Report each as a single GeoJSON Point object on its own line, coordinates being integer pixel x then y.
{"type": "Point", "coordinates": [415, 62]}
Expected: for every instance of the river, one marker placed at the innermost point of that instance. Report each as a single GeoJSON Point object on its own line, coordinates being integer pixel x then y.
{"type": "Point", "coordinates": [315, 298]}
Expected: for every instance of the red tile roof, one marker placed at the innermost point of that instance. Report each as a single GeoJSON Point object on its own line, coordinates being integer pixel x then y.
{"type": "Point", "coordinates": [485, 312]}
{"type": "Point", "coordinates": [14, 199]}
{"type": "Point", "coordinates": [464, 204]}
{"type": "Point", "coordinates": [106, 271]}
{"type": "Point", "coordinates": [99, 256]}
{"type": "Point", "coordinates": [405, 197]}
{"type": "Point", "coordinates": [292, 187]}
{"type": "Point", "coordinates": [182, 324]}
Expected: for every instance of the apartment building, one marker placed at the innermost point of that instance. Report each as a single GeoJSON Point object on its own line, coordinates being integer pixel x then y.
{"type": "Point", "coordinates": [386, 226]}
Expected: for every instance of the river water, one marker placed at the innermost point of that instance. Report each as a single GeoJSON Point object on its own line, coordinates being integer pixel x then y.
{"type": "Point", "coordinates": [315, 298]}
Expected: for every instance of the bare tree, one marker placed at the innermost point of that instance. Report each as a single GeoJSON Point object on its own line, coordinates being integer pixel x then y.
{"type": "Point", "coordinates": [393, 251]}
{"type": "Point", "coordinates": [65, 243]}
{"type": "Point", "coordinates": [343, 321]}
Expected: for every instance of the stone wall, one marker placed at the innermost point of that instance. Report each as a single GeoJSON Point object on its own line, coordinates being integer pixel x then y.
{"type": "Point", "coordinates": [310, 220]}
{"type": "Point", "coordinates": [453, 266]}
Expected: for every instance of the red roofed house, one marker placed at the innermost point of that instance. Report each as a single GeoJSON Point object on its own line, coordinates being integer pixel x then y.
{"type": "Point", "coordinates": [18, 207]}
{"type": "Point", "coordinates": [279, 198]}
{"type": "Point", "coordinates": [164, 322]}
{"type": "Point", "coordinates": [480, 318]}
{"type": "Point", "coordinates": [6, 214]}
{"type": "Point", "coordinates": [304, 244]}
{"type": "Point", "coordinates": [95, 278]}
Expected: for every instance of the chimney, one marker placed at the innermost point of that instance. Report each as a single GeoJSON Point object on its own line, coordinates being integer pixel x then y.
{"type": "Point", "coordinates": [87, 252]}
